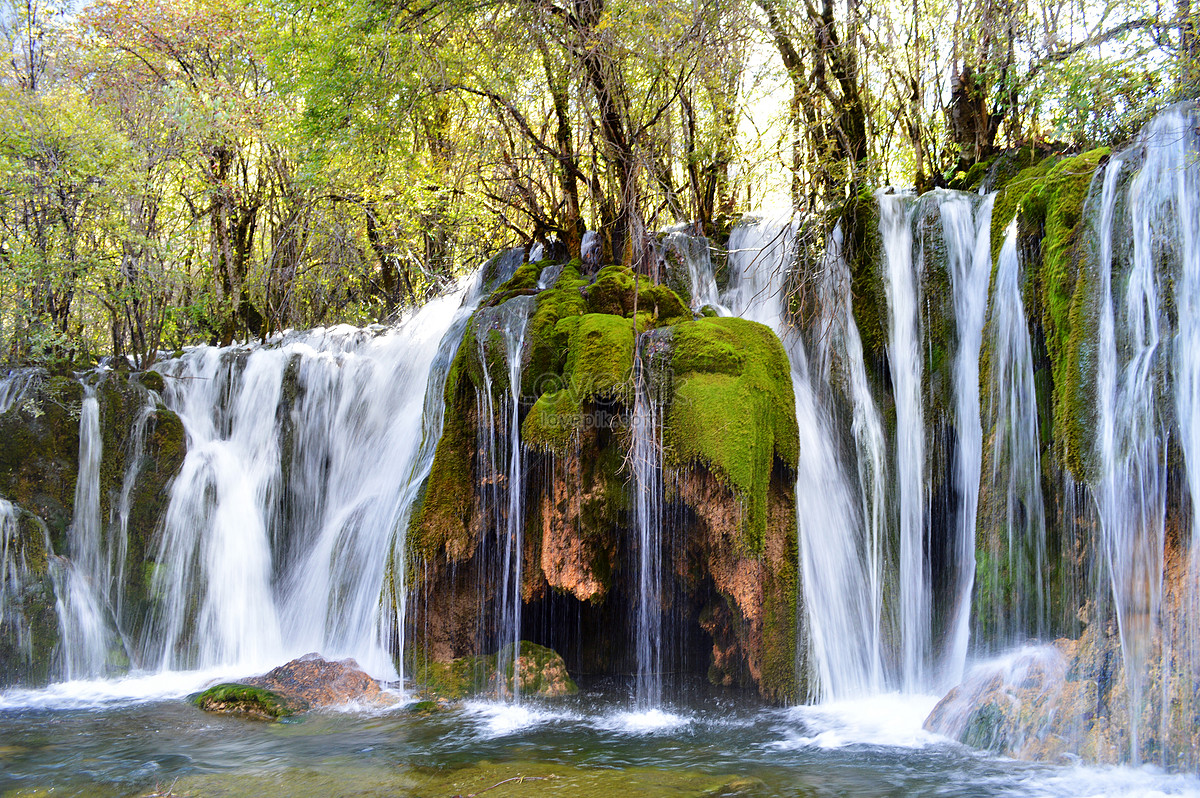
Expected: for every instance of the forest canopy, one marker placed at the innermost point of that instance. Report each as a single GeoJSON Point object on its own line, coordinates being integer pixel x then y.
{"type": "Point", "coordinates": [181, 171]}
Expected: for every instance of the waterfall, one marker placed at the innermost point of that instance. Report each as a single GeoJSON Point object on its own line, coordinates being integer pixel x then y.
{"type": "Point", "coordinates": [303, 460]}
{"type": "Point", "coordinates": [844, 599]}
{"type": "Point", "coordinates": [904, 353]}
{"type": "Point", "coordinates": [839, 557]}
{"type": "Point", "coordinates": [1014, 482]}
{"type": "Point", "coordinates": [500, 335]}
{"type": "Point", "coordinates": [648, 507]}
{"type": "Point", "coordinates": [81, 583]}
{"type": "Point", "coordinates": [696, 256]}
{"type": "Point", "coordinates": [1146, 232]}
{"type": "Point", "coordinates": [13, 576]}
{"type": "Point", "coordinates": [968, 242]}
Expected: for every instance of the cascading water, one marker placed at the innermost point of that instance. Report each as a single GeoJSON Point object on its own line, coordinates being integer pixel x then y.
{"type": "Point", "coordinates": [1145, 229]}
{"type": "Point", "coordinates": [302, 465]}
{"type": "Point", "coordinates": [82, 582]}
{"type": "Point", "coordinates": [1014, 482]}
{"type": "Point", "coordinates": [500, 334]}
{"type": "Point", "coordinates": [968, 242]}
{"type": "Point", "coordinates": [847, 618]}
{"type": "Point", "coordinates": [904, 353]}
{"type": "Point", "coordinates": [648, 500]}
{"type": "Point", "coordinates": [838, 554]}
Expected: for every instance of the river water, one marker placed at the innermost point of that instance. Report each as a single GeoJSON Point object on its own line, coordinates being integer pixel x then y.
{"type": "Point", "coordinates": [136, 737]}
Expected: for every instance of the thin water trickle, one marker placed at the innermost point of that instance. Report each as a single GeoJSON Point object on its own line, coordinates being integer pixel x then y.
{"type": "Point", "coordinates": [500, 335]}
{"type": "Point", "coordinates": [648, 501]}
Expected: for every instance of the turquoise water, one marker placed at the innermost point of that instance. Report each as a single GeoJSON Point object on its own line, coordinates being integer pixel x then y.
{"type": "Point", "coordinates": [140, 738]}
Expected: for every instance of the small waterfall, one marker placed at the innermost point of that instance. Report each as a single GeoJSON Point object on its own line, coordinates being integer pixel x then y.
{"type": "Point", "coordinates": [1014, 483]}
{"type": "Point", "coordinates": [500, 336]}
{"type": "Point", "coordinates": [14, 385]}
{"type": "Point", "coordinates": [904, 352]}
{"type": "Point", "coordinates": [695, 254]}
{"type": "Point", "coordinates": [14, 570]}
{"type": "Point", "coordinates": [968, 242]}
{"type": "Point", "coordinates": [82, 582]}
{"type": "Point", "coordinates": [1146, 234]}
{"type": "Point", "coordinates": [289, 512]}
{"type": "Point", "coordinates": [648, 510]}
{"type": "Point", "coordinates": [117, 539]}
{"type": "Point", "coordinates": [838, 555]}
{"type": "Point", "coordinates": [844, 599]}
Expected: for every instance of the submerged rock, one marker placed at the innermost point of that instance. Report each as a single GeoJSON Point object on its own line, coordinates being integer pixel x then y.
{"type": "Point", "coordinates": [310, 682]}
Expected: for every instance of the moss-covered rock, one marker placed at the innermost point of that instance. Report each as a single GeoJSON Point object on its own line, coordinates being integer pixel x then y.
{"type": "Point", "coordinates": [246, 701]}
{"type": "Point", "coordinates": [733, 410]}
{"type": "Point", "coordinates": [540, 672]}
{"type": "Point", "coordinates": [1047, 199]}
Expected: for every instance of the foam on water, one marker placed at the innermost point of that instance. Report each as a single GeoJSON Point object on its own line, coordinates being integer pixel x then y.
{"type": "Point", "coordinates": [650, 721]}
{"type": "Point", "coordinates": [497, 719]}
{"type": "Point", "coordinates": [893, 720]}
{"type": "Point", "coordinates": [137, 688]}
{"type": "Point", "coordinates": [1108, 782]}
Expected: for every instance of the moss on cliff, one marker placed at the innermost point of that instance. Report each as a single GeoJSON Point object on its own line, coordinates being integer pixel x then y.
{"type": "Point", "coordinates": [600, 358]}
{"type": "Point", "coordinates": [733, 410]}
{"type": "Point", "coordinates": [1047, 199]}
{"type": "Point", "coordinates": [441, 521]}
{"type": "Point", "coordinates": [860, 221]}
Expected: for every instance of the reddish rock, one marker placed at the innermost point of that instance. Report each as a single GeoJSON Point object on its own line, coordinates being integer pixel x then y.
{"type": "Point", "coordinates": [319, 683]}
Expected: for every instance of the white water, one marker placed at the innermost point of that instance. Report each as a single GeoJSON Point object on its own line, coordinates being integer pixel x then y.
{"type": "Point", "coordinates": [1015, 480]}
{"type": "Point", "coordinates": [839, 555]}
{"type": "Point", "coordinates": [907, 367]}
{"type": "Point", "coordinates": [503, 458]}
{"type": "Point", "coordinates": [648, 500]}
{"type": "Point", "coordinates": [81, 583]}
{"type": "Point", "coordinates": [968, 242]}
{"type": "Point", "coordinates": [234, 595]}
{"type": "Point", "coordinates": [1146, 233]}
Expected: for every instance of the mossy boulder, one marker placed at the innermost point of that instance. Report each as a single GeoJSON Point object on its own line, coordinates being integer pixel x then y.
{"type": "Point", "coordinates": [540, 672]}
{"type": "Point", "coordinates": [724, 391]}
{"type": "Point", "coordinates": [246, 701]}
{"type": "Point", "coordinates": [733, 410]}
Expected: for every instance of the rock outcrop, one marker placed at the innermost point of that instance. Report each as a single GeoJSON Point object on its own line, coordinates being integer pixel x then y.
{"type": "Point", "coordinates": [310, 682]}
{"type": "Point", "coordinates": [722, 396]}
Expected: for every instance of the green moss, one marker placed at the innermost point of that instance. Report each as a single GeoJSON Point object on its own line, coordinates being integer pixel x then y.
{"type": "Point", "coordinates": [781, 590]}
{"type": "Point", "coordinates": [1047, 199]}
{"type": "Point", "coordinates": [246, 701]}
{"type": "Point", "coordinates": [548, 335]}
{"type": "Point", "coordinates": [441, 520]}
{"type": "Point", "coordinates": [733, 409]}
{"type": "Point", "coordinates": [600, 358]}
{"type": "Point", "coordinates": [552, 423]}
{"type": "Point", "coordinates": [476, 675]}
{"type": "Point", "coordinates": [860, 222]}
